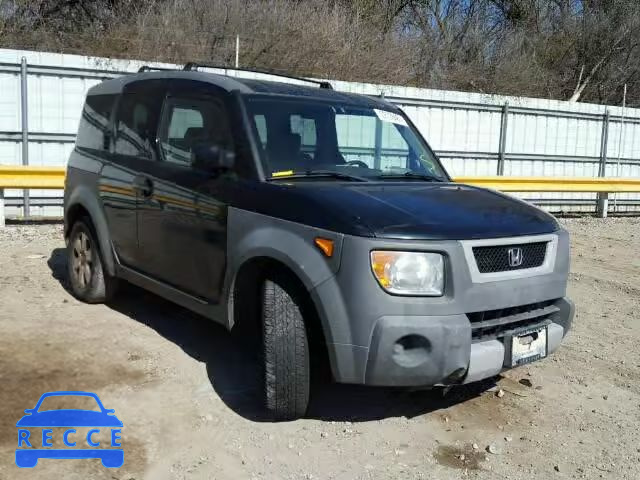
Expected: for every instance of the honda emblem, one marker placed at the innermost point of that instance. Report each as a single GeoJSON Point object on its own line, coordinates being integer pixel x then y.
{"type": "Point", "coordinates": [515, 257]}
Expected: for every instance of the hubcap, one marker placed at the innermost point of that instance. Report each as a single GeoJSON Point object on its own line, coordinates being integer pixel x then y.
{"type": "Point", "coordinates": [81, 261]}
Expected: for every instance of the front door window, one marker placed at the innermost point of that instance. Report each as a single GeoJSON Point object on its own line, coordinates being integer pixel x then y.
{"type": "Point", "coordinates": [189, 122]}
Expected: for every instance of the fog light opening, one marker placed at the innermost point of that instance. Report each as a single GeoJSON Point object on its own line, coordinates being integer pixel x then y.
{"type": "Point", "coordinates": [411, 351]}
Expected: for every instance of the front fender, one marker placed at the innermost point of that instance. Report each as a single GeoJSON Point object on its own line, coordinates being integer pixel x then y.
{"type": "Point", "coordinates": [252, 235]}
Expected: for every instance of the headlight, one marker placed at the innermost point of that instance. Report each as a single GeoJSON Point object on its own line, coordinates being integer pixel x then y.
{"type": "Point", "coordinates": [409, 273]}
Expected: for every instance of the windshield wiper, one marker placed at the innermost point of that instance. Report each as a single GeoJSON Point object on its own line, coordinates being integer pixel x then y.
{"type": "Point", "coordinates": [411, 176]}
{"type": "Point", "coordinates": [320, 173]}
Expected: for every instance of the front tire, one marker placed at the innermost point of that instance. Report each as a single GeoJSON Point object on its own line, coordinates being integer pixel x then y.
{"type": "Point", "coordinates": [286, 352]}
{"type": "Point", "coordinates": [89, 282]}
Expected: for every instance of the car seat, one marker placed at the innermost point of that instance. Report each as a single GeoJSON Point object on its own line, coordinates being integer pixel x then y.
{"type": "Point", "coordinates": [284, 153]}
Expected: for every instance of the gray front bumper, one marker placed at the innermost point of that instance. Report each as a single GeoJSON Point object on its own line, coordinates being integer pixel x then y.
{"type": "Point", "coordinates": [440, 350]}
{"type": "Point", "coordinates": [379, 339]}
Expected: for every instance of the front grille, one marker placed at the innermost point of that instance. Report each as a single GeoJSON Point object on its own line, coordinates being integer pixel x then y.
{"type": "Point", "coordinates": [501, 322]}
{"type": "Point", "coordinates": [497, 258]}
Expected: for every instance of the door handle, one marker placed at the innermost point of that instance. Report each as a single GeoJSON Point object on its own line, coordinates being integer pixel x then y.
{"type": "Point", "coordinates": [144, 185]}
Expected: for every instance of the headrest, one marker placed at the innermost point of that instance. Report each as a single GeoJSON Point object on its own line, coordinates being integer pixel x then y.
{"type": "Point", "coordinates": [285, 142]}
{"type": "Point", "coordinates": [193, 133]}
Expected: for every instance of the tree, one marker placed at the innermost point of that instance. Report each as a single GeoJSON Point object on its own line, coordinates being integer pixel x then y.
{"type": "Point", "coordinates": [578, 50]}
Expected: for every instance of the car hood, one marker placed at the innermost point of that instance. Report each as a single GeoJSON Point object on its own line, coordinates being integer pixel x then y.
{"type": "Point", "coordinates": [69, 418]}
{"type": "Point", "coordinates": [438, 211]}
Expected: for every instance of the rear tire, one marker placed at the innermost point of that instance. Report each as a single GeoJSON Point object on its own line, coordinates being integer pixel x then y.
{"type": "Point", "coordinates": [287, 375]}
{"type": "Point", "coordinates": [89, 282]}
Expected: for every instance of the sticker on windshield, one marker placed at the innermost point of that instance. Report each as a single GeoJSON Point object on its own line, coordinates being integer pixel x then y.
{"type": "Point", "coordinates": [283, 173]}
{"type": "Point", "coordinates": [391, 117]}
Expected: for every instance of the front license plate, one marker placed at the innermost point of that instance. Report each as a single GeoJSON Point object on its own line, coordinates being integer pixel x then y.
{"type": "Point", "coordinates": [529, 346]}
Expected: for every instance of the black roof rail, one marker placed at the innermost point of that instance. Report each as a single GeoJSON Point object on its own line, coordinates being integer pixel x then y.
{"type": "Point", "coordinates": [193, 66]}
{"type": "Point", "coordinates": [147, 68]}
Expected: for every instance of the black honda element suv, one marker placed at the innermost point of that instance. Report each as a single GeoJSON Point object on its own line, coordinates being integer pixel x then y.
{"type": "Point", "coordinates": [318, 223]}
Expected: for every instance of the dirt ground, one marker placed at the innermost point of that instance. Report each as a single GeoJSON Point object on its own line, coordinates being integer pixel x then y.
{"type": "Point", "coordinates": [187, 395]}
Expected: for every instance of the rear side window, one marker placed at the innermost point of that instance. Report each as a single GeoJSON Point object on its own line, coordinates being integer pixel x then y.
{"type": "Point", "coordinates": [137, 122]}
{"type": "Point", "coordinates": [94, 131]}
{"type": "Point", "coordinates": [188, 122]}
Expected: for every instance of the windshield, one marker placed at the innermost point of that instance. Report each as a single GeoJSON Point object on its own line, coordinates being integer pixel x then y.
{"type": "Point", "coordinates": [302, 136]}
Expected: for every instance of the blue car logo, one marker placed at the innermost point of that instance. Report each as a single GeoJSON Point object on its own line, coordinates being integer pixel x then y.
{"type": "Point", "coordinates": [28, 453]}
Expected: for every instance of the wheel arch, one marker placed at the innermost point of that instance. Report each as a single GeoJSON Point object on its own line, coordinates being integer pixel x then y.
{"type": "Point", "coordinates": [83, 202]}
{"type": "Point", "coordinates": [245, 303]}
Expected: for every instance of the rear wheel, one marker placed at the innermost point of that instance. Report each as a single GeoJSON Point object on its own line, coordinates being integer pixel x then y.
{"type": "Point", "coordinates": [89, 282]}
{"type": "Point", "coordinates": [286, 352]}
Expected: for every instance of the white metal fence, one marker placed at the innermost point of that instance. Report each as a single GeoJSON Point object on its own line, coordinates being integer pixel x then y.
{"type": "Point", "coordinates": [41, 97]}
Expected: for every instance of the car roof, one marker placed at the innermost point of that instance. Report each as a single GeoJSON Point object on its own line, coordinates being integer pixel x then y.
{"type": "Point", "coordinates": [244, 86]}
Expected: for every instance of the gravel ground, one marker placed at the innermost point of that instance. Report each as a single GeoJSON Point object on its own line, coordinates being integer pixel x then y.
{"type": "Point", "coordinates": [187, 394]}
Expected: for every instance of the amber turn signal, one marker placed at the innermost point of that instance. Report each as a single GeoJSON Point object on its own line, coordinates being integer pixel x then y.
{"type": "Point", "coordinates": [325, 245]}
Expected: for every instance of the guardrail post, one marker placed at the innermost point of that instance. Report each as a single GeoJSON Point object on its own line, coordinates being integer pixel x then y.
{"type": "Point", "coordinates": [603, 204]}
{"type": "Point", "coordinates": [1, 207]}
{"type": "Point", "coordinates": [603, 197]}
{"type": "Point", "coordinates": [377, 157]}
{"type": "Point", "coordinates": [503, 138]}
{"type": "Point", "coordinates": [25, 130]}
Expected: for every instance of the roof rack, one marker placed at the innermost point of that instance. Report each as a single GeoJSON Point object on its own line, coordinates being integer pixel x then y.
{"type": "Point", "coordinates": [193, 66]}
{"type": "Point", "coordinates": [147, 68]}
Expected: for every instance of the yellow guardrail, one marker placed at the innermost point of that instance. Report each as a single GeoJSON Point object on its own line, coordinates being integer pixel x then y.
{"type": "Point", "coordinates": [23, 177]}
{"type": "Point", "coordinates": [555, 184]}
{"type": "Point", "coordinates": [53, 177]}
{"type": "Point", "coordinates": [31, 177]}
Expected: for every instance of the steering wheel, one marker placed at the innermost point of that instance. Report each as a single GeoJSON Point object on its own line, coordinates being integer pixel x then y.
{"type": "Point", "coordinates": [357, 163]}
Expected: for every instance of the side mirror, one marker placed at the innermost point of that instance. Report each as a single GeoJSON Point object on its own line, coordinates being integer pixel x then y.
{"type": "Point", "coordinates": [29, 410]}
{"type": "Point", "coordinates": [212, 158]}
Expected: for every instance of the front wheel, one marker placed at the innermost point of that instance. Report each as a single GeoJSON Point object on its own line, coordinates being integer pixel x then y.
{"type": "Point", "coordinates": [89, 282]}
{"type": "Point", "coordinates": [286, 352]}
